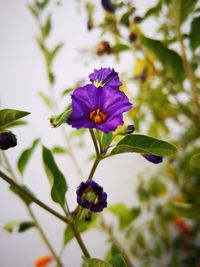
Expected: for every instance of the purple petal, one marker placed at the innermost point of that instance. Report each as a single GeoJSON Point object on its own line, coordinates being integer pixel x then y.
{"type": "Point", "coordinates": [105, 76]}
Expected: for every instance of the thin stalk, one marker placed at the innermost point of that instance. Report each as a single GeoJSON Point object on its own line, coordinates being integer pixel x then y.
{"type": "Point", "coordinates": [95, 164]}
{"type": "Point", "coordinates": [32, 197]}
{"type": "Point", "coordinates": [189, 71]}
{"type": "Point", "coordinates": [94, 142]}
{"type": "Point", "coordinates": [44, 238]}
{"type": "Point", "coordinates": [8, 166]}
{"type": "Point", "coordinates": [107, 230]}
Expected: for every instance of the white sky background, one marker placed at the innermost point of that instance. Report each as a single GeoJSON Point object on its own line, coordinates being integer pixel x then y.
{"type": "Point", "coordinates": [22, 75]}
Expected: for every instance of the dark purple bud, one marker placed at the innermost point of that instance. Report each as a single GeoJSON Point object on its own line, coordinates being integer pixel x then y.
{"type": "Point", "coordinates": [90, 195]}
{"type": "Point", "coordinates": [137, 19]}
{"type": "Point", "coordinates": [130, 129]}
{"type": "Point", "coordinates": [7, 140]}
{"type": "Point", "coordinates": [153, 158]}
{"type": "Point", "coordinates": [132, 37]}
{"type": "Point", "coordinates": [89, 25]}
{"type": "Point", "coordinates": [108, 6]}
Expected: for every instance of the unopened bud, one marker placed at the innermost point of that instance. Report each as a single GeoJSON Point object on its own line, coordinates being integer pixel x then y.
{"type": "Point", "coordinates": [132, 37]}
{"type": "Point", "coordinates": [103, 48]}
{"type": "Point", "coordinates": [137, 19]}
{"type": "Point", "coordinates": [7, 140]}
{"type": "Point", "coordinates": [124, 130]}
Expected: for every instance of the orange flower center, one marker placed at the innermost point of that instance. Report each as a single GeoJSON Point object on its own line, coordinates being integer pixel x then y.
{"type": "Point", "coordinates": [97, 116]}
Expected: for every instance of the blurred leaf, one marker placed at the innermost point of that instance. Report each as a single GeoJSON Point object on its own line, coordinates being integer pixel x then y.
{"type": "Point", "coordinates": [118, 261]}
{"type": "Point", "coordinates": [120, 48]}
{"type": "Point", "coordinates": [26, 155]}
{"type": "Point", "coordinates": [125, 215]}
{"type": "Point", "coordinates": [154, 11]}
{"type": "Point", "coordinates": [61, 118]}
{"type": "Point", "coordinates": [143, 144]}
{"type": "Point", "coordinates": [46, 100]}
{"type": "Point", "coordinates": [169, 58]}
{"type": "Point", "coordinates": [125, 17]}
{"type": "Point", "coordinates": [41, 4]}
{"type": "Point", "coordinates": [56, 178]}
{"type": "Point", "coordinates": [16, 123]}
{"type": "Point", "coordinates": [182, 9]}
{"type": "Point", "coordinates": [46, 29]}
{"type": "Point", "coordinates": [20, 226]}
{"type": "Point", "coordinates": [33, 10]}
{"type": "Point", "coordinates": [8, 116]}
{"type": "Point", "coordinates": [58, 150]}
{"type": "Point", "coordinates": [82, 226]}
{"type": "Point", "coordinates": [194, 36]}
{"type": "Point", "coordinates": [186, 210]}
{"type": "Point", "coordinates": [54, 52]}
{"type": "Point", "coordinates": [67, 91]}
{"type": "Point", "coordinates": [89, 262]}
{"type": "Point", "coordinates": [51, 77]}
{"type": "Point", "coordinates": [195, 160]}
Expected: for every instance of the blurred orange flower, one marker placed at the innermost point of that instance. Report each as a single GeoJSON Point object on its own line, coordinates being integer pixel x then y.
{"type": "Point", "coordinates": [43, 261]}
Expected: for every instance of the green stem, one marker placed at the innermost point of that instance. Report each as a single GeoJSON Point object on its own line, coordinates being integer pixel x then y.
{"type": "Point", "coordinates": [95, 164]}
{"type": "Point", "coordinates": [44, 238]}
{"type": "Point", "coordinates": [32, 197]}
{"type": "Point", "coordinates": [94, 142]}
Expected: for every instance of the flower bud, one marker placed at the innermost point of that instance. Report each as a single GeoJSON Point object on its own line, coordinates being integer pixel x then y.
{"type": "Point", "coordinates": [108, 6]}
{"type": "Point", "coordinates": [103, 48]}
{"type": "Point", "coordinates": [7, 140]}
{"type": "Point", "coordinates": [153, 158]}
{"type": "Point", "coordinates": [137, 19]}
{"type": "Point", "coordinates": [132, 37]}
{"type": "Point", "coordinates": [124, 130]}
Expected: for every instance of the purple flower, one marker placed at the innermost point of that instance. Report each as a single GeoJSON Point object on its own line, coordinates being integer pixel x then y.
{"type": "Point", "coordinates": [7, 140]}
{"type": "Point", "coordinates": [153, 158]}
{"type": "Point", "coordinates": [105, 76]}
{"type": "Point", "coordinates": [90, 195]}
{"type": "Point", "coordinates": [99, 108]}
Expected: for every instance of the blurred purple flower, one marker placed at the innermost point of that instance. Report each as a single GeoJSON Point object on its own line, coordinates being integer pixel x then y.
{"type": "Point", "coordinates": [108, 6]}
{"type": "Point", "coordinates": [101, 108]}
{"type": "Point", "coordinates": [90, 195]}
{"type": "Point", "coordinates": [7, 140]}
{"type": "Point", "coordinates": [153, 158]}
{"type": "Point", "coordinates": [105, 76]}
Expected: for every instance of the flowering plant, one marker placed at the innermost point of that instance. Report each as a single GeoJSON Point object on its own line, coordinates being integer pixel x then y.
{"type": "Point", "coordinates": [106, 115]}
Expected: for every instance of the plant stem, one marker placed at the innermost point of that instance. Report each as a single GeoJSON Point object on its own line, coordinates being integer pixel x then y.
{"type": "Point", "coordinates": [189, 71]}
{"type": "Point", "coordinates": [94, 142]}
{"type": "Point", "coordinates": [107, 230]}
{"type": "Point", "coordinates": [44, 238]}
{"type": "Point", "coordinates": [32, 197]}
{"type": "Point", "coordinates": [95, 164]}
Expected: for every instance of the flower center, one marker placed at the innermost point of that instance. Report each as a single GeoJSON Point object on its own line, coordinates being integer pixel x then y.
{"type": "Point", "coordinates": [97, 116]}
{"type": "Point", "coordinates": [98, 83]}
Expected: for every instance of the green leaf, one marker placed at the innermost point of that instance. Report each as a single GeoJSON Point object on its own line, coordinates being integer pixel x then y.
{"type": "Point", "coordinates": [46, 100]}
{"type": "Point", "coordinates": [58, 150]}
{"type": "Point", "coordinates": [120, 48]}
{"type": "Point", "coordinates": [82, 226]}
{"type": "Point", "coordinates": [171, 61]}
{"type": "Point", "coordinates": [61, 118]}
{"type": "Point", "coordinates": [16, 124]}
{"type": "Point", "coordinates": [8, 116]}
{"type": "Point", "coordinates": [89, 262]}
{"type": "Point", "coordinates": [54, 52]}
{"type": "Point", "coordinates": [143, 144]}
{"type": "Point", "coordinates": [67, 91]}
{"type": "Point", "coordinates": [186, 210]}
{"type": "Point", "coordinates": [56, 178]}
{"type": "Point", "coordinates": [118, 261]}
{"type": "Point", "coordinates": [46, 29]}
{"type": "Point", "coordinates": [42, 4]}
{"type": "Point", "coordinates": [125, 17]}
{"type": "Point", "coordinates": [33, 10]}
{"type": "Point", "coordinates": [25, 156]}
{"type": "Point", "coordinates": [106, 140]}
{"type": "Point", "coordinates": [194, 36]}
{"type": "Point", "coordinates": [182, 9]}
{"type": "Point", "coordinates": [154, 11]}
{"type": "Point", "coordinates": [20, 226]}
{"type": "Point", "coordinates": [124, 214]}
{"type": "Point", "coordinates": [195, 160]}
